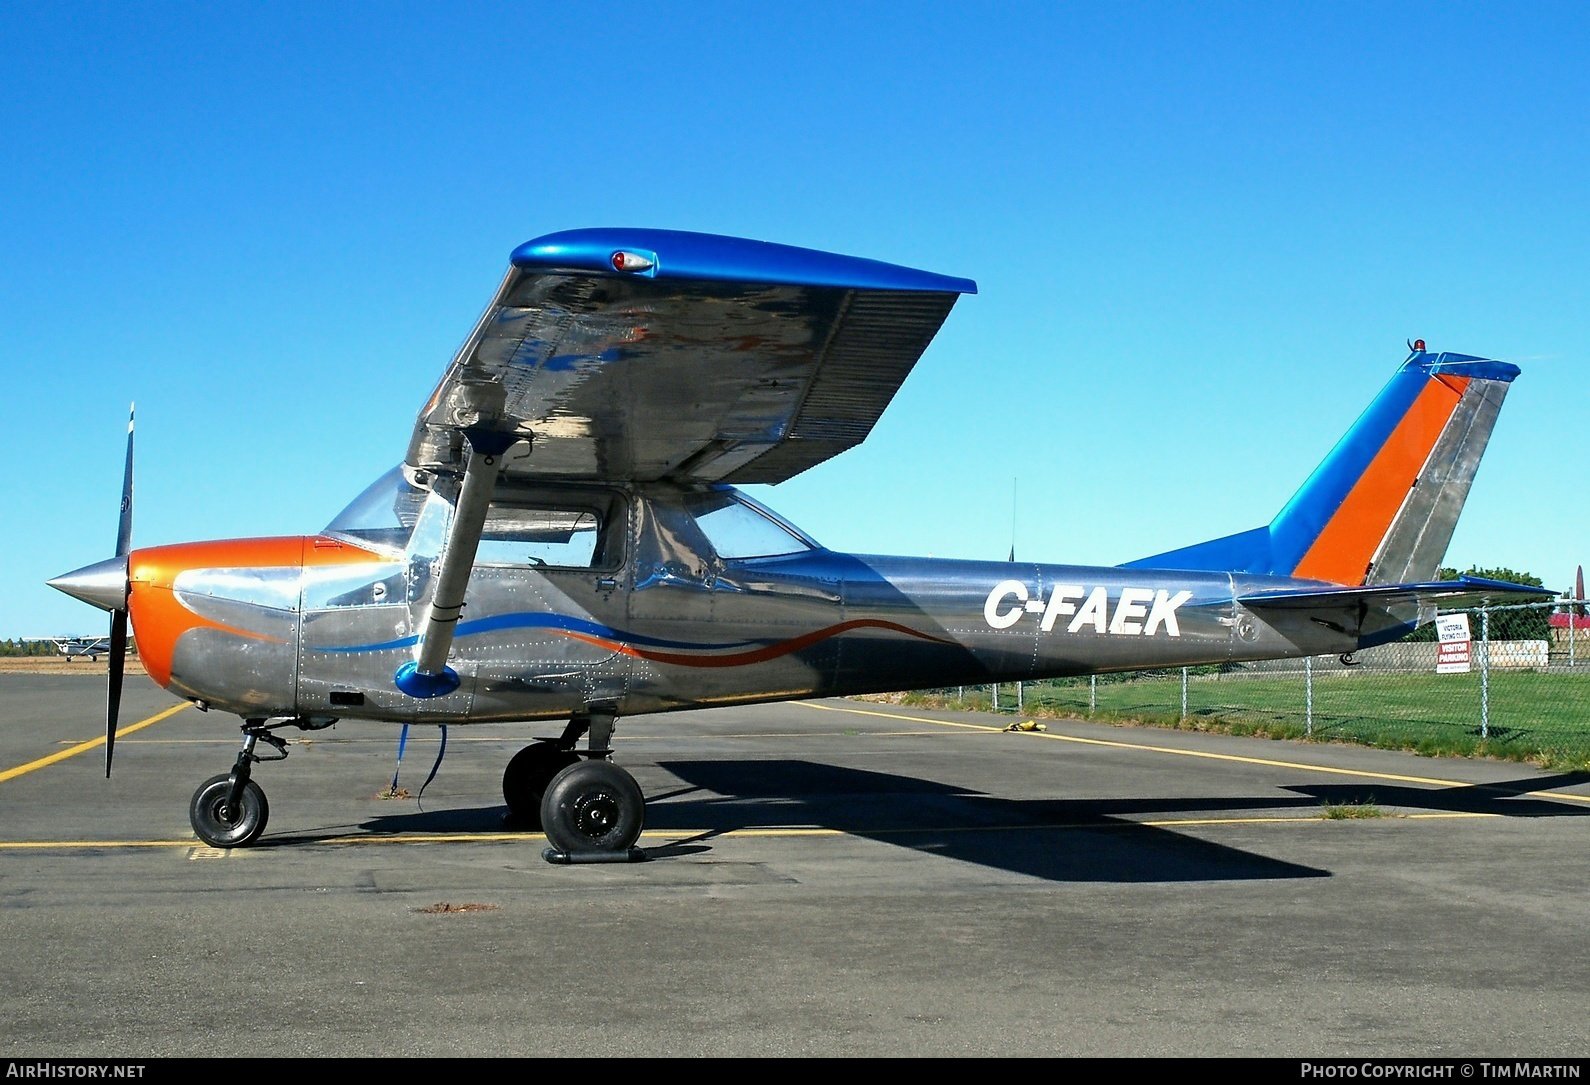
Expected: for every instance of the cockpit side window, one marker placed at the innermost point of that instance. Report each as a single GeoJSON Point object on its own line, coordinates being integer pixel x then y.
{"type": "Point", "coordinates": [738, 529]}
{"type": "Point", "coordinates": [567, 531]}
{"type": "Point", "coordinates": [534, 535]}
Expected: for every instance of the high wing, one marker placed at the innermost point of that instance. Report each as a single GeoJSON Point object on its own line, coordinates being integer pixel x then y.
{"type": "Point", "coordinates": [638, 355]}
{"type": "Point", "coordinates": [635, 355]}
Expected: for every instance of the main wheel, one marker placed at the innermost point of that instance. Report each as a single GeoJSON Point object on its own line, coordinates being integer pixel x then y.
{"type": "Point", "coordinates": [525, 779]}
{"type": "Point", "coordinates": [221, 826]}
{"type": "Point", "coordinates": [593, 806]}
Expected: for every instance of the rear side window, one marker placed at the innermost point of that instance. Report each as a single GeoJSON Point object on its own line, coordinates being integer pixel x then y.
{"type": "Point", "coordinates": [737, 530]}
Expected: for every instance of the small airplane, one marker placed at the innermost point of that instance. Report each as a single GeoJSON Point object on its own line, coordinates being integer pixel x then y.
{"type": "Point", "coordinates": [564, 541]}
{"type": "Point", "coordinates": [72, 647]}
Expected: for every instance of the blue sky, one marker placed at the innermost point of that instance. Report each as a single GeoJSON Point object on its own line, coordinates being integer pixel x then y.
{"type": "Point", "coordinates": [1202, 233]}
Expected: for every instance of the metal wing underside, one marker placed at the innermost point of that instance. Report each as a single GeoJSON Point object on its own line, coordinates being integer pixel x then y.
{"type": "Point", "coordinates": [621, 377]}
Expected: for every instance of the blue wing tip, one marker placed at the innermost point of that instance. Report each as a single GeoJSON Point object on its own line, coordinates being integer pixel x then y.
{"type": "Point", "coordinates": [679, 254]}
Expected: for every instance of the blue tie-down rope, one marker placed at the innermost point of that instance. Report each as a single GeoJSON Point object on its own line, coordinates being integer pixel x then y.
{"type": "Point", "coordinates": [436, 766]}
{"type": "Point", "coordinates": [403, 741]}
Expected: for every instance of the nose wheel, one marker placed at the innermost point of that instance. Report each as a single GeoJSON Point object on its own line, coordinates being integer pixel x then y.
{"type": "Point", "coordinates": [226, 822]}
{"type": "Point", "coordinates": [230, 811]}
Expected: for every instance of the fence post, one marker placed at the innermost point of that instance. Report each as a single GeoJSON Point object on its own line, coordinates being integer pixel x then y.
{"type": "Point", "coordinates": [1485, 673]}
{"type": "Point", "coordinates": [1184, 693]}
{"type": "Point", "coordinates": [996, 696]}
{"type": "Point", "coordinates": [1021, 702]}
{"type": "Point", "coordinates": [1093, 693]}
{"type": "Point", "coordinates": [1308, 696]}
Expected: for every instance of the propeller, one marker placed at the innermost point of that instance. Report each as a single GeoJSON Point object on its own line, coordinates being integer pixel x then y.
{"type": "Point", "coordinates": [118, 617]}
{"type": "Point", "coordinates": [106, 585]}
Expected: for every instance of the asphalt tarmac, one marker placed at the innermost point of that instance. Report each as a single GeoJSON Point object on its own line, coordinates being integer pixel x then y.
{"type": "Point", "coordinates": [828, 878]}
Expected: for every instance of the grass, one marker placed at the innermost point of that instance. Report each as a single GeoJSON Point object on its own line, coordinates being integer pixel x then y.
{"type": "Point", "coordinates": [1342, 811]}
{"type": "Point", "coordinates": [1541, 718]}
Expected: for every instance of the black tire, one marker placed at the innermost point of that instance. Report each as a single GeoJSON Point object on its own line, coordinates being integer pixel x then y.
{"type": "Point", "coordinates": [525, 779]}
{"type": "Point", "coordinates": [222, 828]}
{"type": "Point", "coordinates": [593, 806]}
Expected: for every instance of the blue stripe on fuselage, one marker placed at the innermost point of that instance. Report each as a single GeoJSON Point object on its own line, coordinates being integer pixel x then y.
{"type": "Point", "coordinates": [533, 620]}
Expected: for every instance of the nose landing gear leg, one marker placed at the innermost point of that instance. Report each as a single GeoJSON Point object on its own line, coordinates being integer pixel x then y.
{"type": "Point", "coordinates": [230, 811]}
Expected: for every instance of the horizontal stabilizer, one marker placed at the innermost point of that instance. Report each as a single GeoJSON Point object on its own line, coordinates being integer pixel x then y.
{"type": "Point", "coordinates": [1374, 614]}
{"type": "Point", "coordinates": [1466, 591]}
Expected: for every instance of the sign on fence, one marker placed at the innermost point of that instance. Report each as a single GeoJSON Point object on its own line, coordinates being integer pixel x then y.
{"type": "Point", "coordinates": [1452, 653]}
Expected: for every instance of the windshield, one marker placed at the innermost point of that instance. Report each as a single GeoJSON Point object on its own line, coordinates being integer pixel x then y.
{"type": "Point", "coordinates": [384, 514]}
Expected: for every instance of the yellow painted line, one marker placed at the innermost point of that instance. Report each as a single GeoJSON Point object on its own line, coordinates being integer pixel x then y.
{"type": "Point", "coordinates": [1169, 823]}
{"type": "Point", "coordinates": [1118, 744]}
{"type": "Point", "coordinates": [85, 845]}
{"type": "Point", "coordinates": [199, 851]}
{"type": "Point", "coordinates": [897, 716]}
{"type": "Point", "coordinates": [1446, 814]}
{"type": "Point", "coordinates": [84, 747]}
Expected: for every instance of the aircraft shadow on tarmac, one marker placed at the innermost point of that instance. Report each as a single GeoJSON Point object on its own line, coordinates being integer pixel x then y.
{"type": "Point", "coordinates": [1510, 798]}
{"type": "Point", "coordinates": [1055, 840]}
{"type": "Point", "coordinates": [1061, 840]}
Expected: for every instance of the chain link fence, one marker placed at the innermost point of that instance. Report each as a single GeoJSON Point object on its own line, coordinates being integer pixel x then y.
{"type": "Point", "coordinates": [1519, 699]}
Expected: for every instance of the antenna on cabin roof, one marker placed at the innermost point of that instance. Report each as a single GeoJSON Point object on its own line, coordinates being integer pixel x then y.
{"type": "Point", "coordinates": [1012, 521]}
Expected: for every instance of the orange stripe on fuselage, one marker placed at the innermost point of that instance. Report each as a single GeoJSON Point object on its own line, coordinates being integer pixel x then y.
{"type": "Point", "coordinates": [1343, 550]}
{"type": "Point", "coordinates": [159, 617]}
{"type": "Point", "coordinates": [755, 655]}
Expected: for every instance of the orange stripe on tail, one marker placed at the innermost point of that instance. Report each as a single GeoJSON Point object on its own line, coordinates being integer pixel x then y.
{"type": "Point", "coordinates": [1344, 549]}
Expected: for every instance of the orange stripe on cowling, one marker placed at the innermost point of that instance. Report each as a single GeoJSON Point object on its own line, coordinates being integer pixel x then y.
{"type": "Point", "coordinates": [1343, 550]}
{"type": "Point", "coordinates": [159, 617]}
{"type": "Point", "coordinates": [755, 655]}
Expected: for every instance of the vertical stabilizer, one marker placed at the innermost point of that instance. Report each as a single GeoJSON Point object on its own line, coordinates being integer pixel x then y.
{"type": "Point", "coordinates": [1381, 508]}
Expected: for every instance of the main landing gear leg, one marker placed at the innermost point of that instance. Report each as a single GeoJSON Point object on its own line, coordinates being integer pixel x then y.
{"type": "Point", "coordinates": [230, 811]}
{"type": "Point", "coordinates": [591, 810]}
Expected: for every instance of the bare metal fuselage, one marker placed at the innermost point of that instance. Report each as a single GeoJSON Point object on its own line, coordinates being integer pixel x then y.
{"type": "Point", "coordinates": [663, 622]}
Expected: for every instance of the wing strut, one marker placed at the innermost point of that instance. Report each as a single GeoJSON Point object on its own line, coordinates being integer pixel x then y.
{"type": "Point", "coordinates": [429, 675]}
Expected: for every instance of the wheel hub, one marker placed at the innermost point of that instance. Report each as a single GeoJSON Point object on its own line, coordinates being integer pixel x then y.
{"type": "Point", "coordinates": [595, 812]}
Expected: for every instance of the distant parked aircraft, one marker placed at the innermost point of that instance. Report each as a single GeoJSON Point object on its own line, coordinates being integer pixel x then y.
{"type": "Point", "coordinates": [92, 647]}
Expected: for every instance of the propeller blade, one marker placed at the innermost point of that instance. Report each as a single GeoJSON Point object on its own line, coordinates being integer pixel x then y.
{"type": "Point", "coordinates": [118, 618]}
{"type": "Point", "coordinates": [118, 663]}
{"type": "Point", "coordinates": [124, 528]}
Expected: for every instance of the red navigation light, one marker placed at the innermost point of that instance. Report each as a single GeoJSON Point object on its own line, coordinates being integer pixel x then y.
{"type": "Point", "coordinates": [1418, 344]}
{"type": "Point", "coordinates": [631, 261]}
